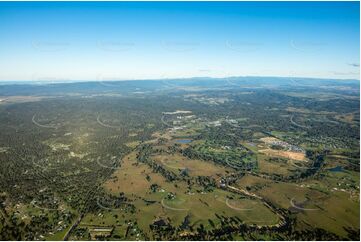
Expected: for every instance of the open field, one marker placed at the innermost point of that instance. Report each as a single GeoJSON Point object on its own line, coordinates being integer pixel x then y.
{"type": "Point", "coordinates": [284, 154]}
{"type": "Point", "coordinates": [312, 205]}
{"type": "Point", "coordinates": [195, 167]}
{"type": "Point", "coordinates": [133, 179]}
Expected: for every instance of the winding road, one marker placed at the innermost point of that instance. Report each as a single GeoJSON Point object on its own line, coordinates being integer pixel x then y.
{"type": "Point", "coordinates": [298, 125]}
{"type": "Point", "coordinates": [174, 209]}
{"type": "Point", "coordinates": [106, 125]}
{"type": "Point", "coordinates": [42, 125]}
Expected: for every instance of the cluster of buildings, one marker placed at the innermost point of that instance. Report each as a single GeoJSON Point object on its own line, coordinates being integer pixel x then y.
{"type": "Point", "coordinates": [287, 146]}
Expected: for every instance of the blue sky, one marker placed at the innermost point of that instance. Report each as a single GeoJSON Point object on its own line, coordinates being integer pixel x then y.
{"type": "Point", "coordinates": [140, 40]}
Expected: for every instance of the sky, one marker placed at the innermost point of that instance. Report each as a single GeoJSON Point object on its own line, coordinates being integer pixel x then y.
{"type": "Point", "coordinates": [62, 41]}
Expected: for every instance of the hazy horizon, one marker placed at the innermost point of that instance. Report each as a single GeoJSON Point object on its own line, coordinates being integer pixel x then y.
{"type": "Point", "coordinates": [59, 81]}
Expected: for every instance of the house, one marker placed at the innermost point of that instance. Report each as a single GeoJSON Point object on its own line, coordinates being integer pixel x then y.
{"type": "Point", "coordinates": [100, 232]}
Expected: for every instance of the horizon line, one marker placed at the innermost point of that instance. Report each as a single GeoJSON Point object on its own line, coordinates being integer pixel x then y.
{"type": "Point", "coordinates": [59, 81]}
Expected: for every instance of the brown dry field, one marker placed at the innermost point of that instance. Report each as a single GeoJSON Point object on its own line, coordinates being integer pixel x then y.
{"type": "Point", "coordinates": [348, 118]}
{"type": "Point", "coordinates": [130, 178]}
{"type": "Point", "coordinates": [285, 154]}
{"type": "Point", "coordinates": [268, 140]}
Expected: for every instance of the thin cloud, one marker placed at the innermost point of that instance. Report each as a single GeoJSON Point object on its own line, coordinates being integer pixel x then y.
{"type": "Point", "coordinates": [354, 64]}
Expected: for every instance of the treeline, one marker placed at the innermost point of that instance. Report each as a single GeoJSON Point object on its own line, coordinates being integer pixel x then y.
{"type": "Point", "coordinates": [143, 156]}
